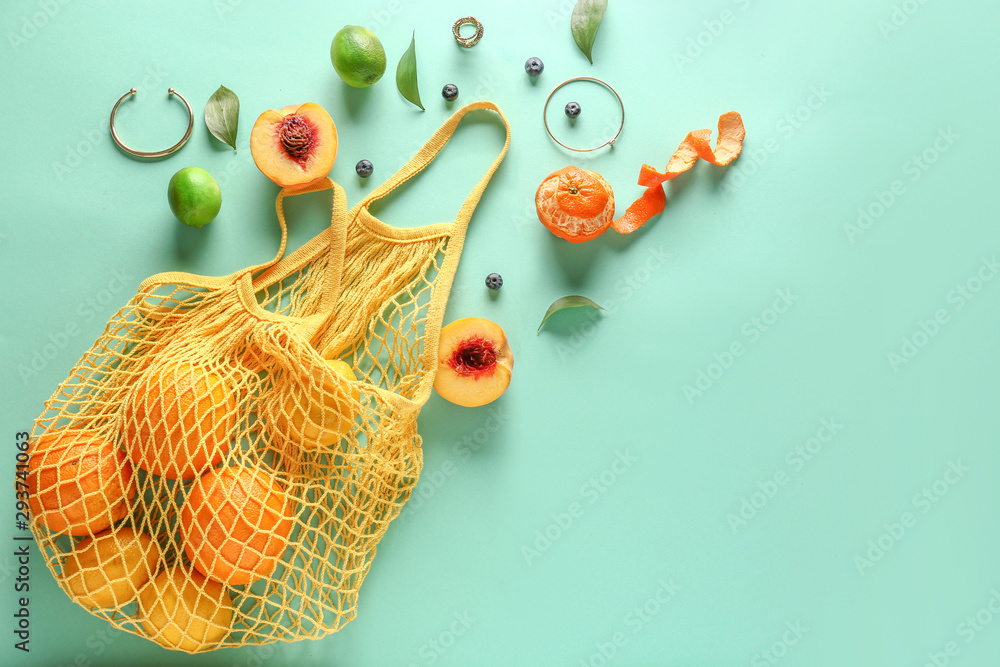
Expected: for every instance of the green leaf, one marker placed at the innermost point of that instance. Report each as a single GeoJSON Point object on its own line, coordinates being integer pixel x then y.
{"type": "Point", "coordinates": [586, 20]}
{"type": "Point", "coordinates": [222, 115]}
{"type": "Point", "coordinates": [572, 301]}
{"type": "Point", "coordinates": [406, 74]}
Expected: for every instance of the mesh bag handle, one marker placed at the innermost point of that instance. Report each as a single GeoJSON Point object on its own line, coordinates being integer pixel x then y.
{"type": "Point", "coordinates": [429, 151]}
{"type": "Point", "coordinates": [330, 238]}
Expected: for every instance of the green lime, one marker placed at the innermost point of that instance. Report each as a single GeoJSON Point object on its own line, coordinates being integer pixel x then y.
{"type": "Point", "coordinates": [194, 196]}
{"type": "Point", "coordinates": [357, 56]}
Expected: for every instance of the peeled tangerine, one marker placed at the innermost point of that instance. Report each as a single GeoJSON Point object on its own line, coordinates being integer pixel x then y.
{"type": "Point", "coordinates": [294, 147]}
{"type": "Point", "coordinates": [321, 413]}
{"type": "Point", "coordinates": [575, 204]}
{"type": "Point", "coordinates": [474, 362]}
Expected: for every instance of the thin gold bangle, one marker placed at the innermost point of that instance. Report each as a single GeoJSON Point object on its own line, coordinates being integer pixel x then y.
{"type": "Point", "coordinates": [467, 42]}
{"type": "Point", "coordinates": [610, 142]}
{"type": "Point", "coordinates": [151, 154]}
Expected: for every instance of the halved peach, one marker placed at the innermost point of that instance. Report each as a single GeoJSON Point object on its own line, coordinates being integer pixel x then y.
{"type": "Point", "coordinates": [294, 147]}
{"type": "Point", "coordinates": [474, 362]}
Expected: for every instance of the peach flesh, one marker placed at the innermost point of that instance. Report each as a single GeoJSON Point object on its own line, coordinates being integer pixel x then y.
{"type": "Point", "coordinates": [294, 147]}
{"type": "Point", "coordinates": [474, 362]}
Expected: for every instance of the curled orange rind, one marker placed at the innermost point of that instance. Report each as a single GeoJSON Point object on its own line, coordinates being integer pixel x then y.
{"type": "Point", "coordinates": [695, 145]}
{"type": "Point", "coordinates": [652, 202]}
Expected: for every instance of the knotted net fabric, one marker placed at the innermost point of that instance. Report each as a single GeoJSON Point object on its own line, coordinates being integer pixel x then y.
{"type": "Point", "coordinates": [218, 469]}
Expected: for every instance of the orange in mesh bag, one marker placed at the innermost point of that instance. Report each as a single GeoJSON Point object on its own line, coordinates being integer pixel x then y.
{"type": "Point", "coordinates": [232, 449]}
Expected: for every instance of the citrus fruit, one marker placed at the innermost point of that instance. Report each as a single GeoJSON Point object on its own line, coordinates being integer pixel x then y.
{"type": "Point", "coordinates": [108, 570]}
{"type": "Point", "coordinates": [322, 413]}
{"type": "Point", "coordinates": [575, 204]}
{"type": "Point", "coordinates": [181, 609]}
{"type": "Point", "coordinates": [358, 56]}
{"type": "Point", "coordinates": [78, 482]}
{"type": "Point", "coordinates": [235, 524]}
{"type": "Point", "coordinates": [179, 419]}
{"type": "Point", "coordinates": [194, 196]}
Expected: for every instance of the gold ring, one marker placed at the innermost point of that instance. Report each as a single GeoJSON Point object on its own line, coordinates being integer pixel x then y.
{"type": "Point", "coordinates": [610, 142]}
{"type": "Point", "coordinates": [152, 154]}
{"type": "Point", "coordinates": [467, 42]}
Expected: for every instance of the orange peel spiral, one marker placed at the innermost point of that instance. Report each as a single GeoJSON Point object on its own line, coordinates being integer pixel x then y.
{"type": "Point", "coordinates": [695, 145]}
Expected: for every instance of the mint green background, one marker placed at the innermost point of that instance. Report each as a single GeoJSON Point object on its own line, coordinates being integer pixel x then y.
{"type": "Point", "coordinates": [589, 387]}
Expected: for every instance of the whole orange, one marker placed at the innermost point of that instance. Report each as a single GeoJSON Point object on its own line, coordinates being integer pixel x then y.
{"type": "Point", "coordinates": [78, 482]}
{"type": "Point", "coordinates": [179, 420]}
{"type": "Point", "coordinates": [575, 204]}
{"type": "Point", "coordinates": [235, 524]}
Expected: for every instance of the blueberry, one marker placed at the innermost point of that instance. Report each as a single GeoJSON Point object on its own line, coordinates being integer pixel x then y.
{"type": "Point", "coordinates": [364, 169]}
{"type": "Point", "coordinates": [494, 281]}
{"type": "Point", "coordinates": [449, 92]}
{"type": "Point", "coordinates": [534, 66]}
{"type": "Point", "coordinates": [572, 109]}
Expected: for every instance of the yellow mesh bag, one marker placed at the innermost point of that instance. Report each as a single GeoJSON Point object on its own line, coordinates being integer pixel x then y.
{"type": "Point", "coordinates": [219, 467]}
